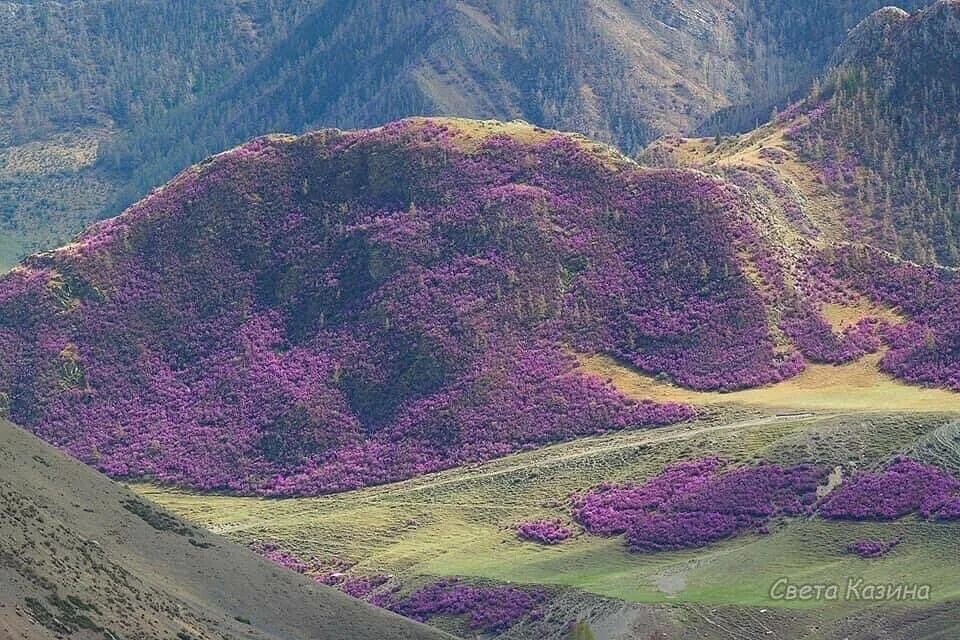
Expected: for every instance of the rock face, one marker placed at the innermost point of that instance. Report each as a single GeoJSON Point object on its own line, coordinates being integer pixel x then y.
{"type": "Point", "coordinates": [314, 314]}
{"type": "Point", "coordinates": [82, 557]}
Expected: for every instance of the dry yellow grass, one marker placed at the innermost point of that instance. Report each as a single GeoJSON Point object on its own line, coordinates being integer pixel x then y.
{"type": "Point", "coordinates": [469, 134]}
{"type": "Point", "coordinates": [824, 207]}
{"type": "Point", "coordinates": [841, 316]}
{"type": "Point", "coordinates": [859, 386]}
{"type": "Point", "coordinates": [64, 152]}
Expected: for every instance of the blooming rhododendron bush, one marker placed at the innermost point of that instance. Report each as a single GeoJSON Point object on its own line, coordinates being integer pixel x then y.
{"type": "Point", "coordinates": [867, 548]}
{"type": "Point", "coordinates": [904, 486]}
{"type": "Point", "coordinates": [692, 504]}
{"type": "Point", "coordinates": [314, 314]}
{"type": "Point", "coordinates": [487, 608]}
{"type": "Point", "coordinates": [543, 531]}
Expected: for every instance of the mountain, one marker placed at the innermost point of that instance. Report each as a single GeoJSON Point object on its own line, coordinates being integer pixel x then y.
{"type": "Point", "coordinates": [866, 170]}
{"type": "Point", "coordinates": [92, 115]}
{"type": "Point", "coordinates": [82, 557]}
{"type": "Point", "coordinates": [882, 128]}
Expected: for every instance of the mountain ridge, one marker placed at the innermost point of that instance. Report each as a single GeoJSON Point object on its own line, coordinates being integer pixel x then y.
{"type": "Point", "coordinates": [628, 72]}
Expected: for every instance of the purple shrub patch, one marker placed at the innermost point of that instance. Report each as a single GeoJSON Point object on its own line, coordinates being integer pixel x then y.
{"type": "Point", "coordinates": [487, 609]}
{"type": "Point", "coordinates": [362, 587]}
{"type": "Point", "coordinates": [331, 572]}
{"type": "Point", "coordinates": [278, 555]}
{"type": "Point", "coordinates": [949, 510]}
{"type": "Point", "coordinates": [682, 530]}
{"type": "Point", "coordinates": [610, 509]}
{"type": "Point", "coordinates": [692, 504]}
{"type": "Point", "coordinates": [866, 548]}
{"type": "Point", "coordinates": [543, 531]}
{"type": "Point", "coordinates": [901, 488]}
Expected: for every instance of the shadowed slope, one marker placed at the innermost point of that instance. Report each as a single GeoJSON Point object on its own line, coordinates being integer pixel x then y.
{"type": "Point", "coordinates": [84, 557]}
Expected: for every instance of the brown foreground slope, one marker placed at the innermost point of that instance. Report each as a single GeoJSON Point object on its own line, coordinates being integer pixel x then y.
{"type": "Point", "coordinates": [83, 557]}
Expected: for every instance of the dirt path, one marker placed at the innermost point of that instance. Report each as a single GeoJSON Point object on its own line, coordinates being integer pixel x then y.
{"type": "Point", "coordinates": [587, 448]}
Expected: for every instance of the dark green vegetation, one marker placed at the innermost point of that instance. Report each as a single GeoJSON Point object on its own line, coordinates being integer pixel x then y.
{"type": "Point", "coordinates": [76, 76]}
{"type": "Point", "coordinates": [884, 130]}
{"type": "Point", "coordinates": [93, 113]}
{"type": "Point", "coordinates": [82, 557]}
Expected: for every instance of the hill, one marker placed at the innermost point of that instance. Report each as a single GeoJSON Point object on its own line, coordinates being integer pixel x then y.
{"type": "Point", "coordinates": [315, 314]}
{"type": "Point", "coordinates": [319, 313]}
{"type": "Point", "coordinates": [83, 557]}
{"type": "Point", "coordinates": [852, 167]}
{"type": "Point", "coordinates": [92, 115]}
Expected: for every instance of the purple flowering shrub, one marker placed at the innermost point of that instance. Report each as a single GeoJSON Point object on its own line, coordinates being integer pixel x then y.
{"type": "Point", "coordinates": [816, 339]}
{"type": "Point", "coordinates": [866, 548]}
{"type": "Point", "coordinates": [708, 328]}
{"type": "Point", "coordinates": [362, 587]}
{"type": "Point", "coordinates": [682, 530]}
{"type": "Point", "coordinates": [768, 183]}
{"type": "Point", "coordinates": [543, 531]}
{"type": "Point", "coordinates": [949, 509]}
{"type": "Point", "coordinates": [343, 309]}
{"type": "Point", "coordinates": [331, 572]}
{"type": "Point", "coordinates": [904, 486]}
{"type": "Point", "coordinates": [692, 504]}
{"type": "Point", "coordinates": [487, 609]}
{"type": "Point", "coordinates": [610, 508]}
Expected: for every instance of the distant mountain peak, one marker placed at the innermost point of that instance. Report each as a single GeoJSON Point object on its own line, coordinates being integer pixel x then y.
{"type": "Point", "coordinates": [866, 39]}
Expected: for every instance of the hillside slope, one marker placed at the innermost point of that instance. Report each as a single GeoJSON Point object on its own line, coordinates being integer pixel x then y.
{"type": "Point", "coordinates": [319, 313]}
{"type": "Point", "coordinates": [464, 522]}
{"type": "Point", "coordinates": [620, 71]}
{"type": "Point", "coordinates": [867, 168]}
{"type": "Point", "coordinates": [76, 75]}
{"type": "Point", "coordinates": [315, 314]}
{"type": "Point", "coordinates": [883, 130]}
{"type": "Point", "coordinates": [83, 557]}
